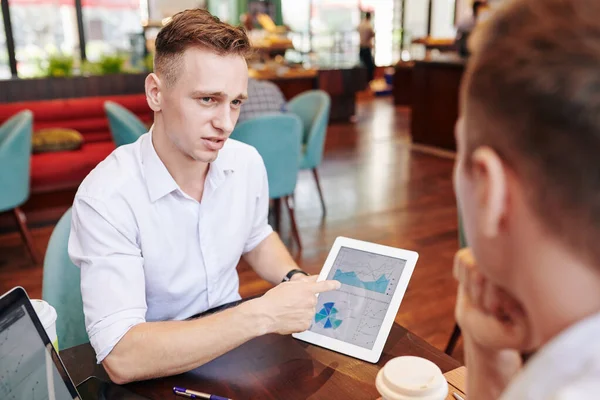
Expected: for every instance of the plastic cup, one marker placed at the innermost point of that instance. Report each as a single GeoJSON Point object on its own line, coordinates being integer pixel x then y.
{"type": "Point", "coordinates": [411, 378]}
{"type": "Point", "coordinates": [47, 315]}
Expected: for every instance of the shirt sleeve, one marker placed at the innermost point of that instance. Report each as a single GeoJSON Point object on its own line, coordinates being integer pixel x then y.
{"type": "Point", "coordinates": [260, 227]}
{"type": "Point", "coordinates": [112, 273]}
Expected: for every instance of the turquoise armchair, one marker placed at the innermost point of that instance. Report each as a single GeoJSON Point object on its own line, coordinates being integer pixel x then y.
{"type": "Point", "coordinates": [125, 126]}
{"type": "Point", "coordinates": [313, 108]}
{"type": "Point", "coordinates": [15, 159]}
{"type": "Point", "coordinates": [61, 287]}
{"type": "Point", "coordinates": [277, 138]}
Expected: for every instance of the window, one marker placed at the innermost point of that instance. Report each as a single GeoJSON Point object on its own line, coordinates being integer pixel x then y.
{"type": "Point", "coordinates": [296, 14]}
{"type": "Point", "coordinates": [111, 26]}
{"type": "Point", "coordinates": [42, 28]}
{"type": "Point", "coordinates": [442, 19]}
{"type": "Point", "coordinates": [333, 26]}
{"type": "Point", "coordinates": [415, 17]}
{"type": "Point", "coordinates": [4, 66]}
{"type": "Point", "coordinates": [386, 21]}
{"type": "Point", "coordinates": [415, 26]}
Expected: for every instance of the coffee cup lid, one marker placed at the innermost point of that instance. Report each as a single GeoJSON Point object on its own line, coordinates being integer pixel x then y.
{"type": "Point", "coordinates": [46, 313]}
{"type": "Point", "coordinates": [411, 378]}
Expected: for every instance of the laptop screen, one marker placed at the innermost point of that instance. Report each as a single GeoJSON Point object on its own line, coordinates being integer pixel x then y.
{"type": "Point", "coordinates": [29, 368]}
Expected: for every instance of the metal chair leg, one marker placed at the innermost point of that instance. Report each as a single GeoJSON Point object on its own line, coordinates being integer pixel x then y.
{"type": "Point", "coordinates": [289, 203]}
{"type": "Point", "coordinates": [316, 175]}
{"type": "Point", "coordinates": [277, 214]}
{"type": "Point", "coordinates": [453, 340]}
{"type": "Point", "coordinates": [26, 234]}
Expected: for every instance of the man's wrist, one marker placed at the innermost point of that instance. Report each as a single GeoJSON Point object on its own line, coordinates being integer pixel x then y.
{"type": "Point", "coordinates": [496, 367]}
{"type": "Point", "coordinates": [294, 274]}
{"type": "Point", "coordinates": [298, 277]}
{"type": "Point", "coordinates": [253, 311]}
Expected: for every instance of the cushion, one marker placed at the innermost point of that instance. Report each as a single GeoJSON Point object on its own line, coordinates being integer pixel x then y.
{"type": "Point", "coordinates": [66, 169]}
{"type": "Point", "coordinates": [56, 139]}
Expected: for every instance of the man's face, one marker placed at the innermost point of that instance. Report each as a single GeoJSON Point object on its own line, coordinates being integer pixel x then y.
{"type": "Point", "coordinates": [201, 108]}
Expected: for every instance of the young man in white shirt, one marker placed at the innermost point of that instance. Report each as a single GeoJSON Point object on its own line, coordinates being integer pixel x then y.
{"type": "Point", "coordinates": [528, 187]}
{"type": "Point", "coordinates": [159, 226]}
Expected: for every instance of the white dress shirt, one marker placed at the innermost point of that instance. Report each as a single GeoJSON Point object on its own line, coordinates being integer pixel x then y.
{"type": "Point", "coordinates": [567, 368]}
{"type": "Point", "coordinates": [149, 252]}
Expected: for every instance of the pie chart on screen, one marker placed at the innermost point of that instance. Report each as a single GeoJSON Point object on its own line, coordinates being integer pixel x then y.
{"type": "Point", "coordinates": [327, 316]}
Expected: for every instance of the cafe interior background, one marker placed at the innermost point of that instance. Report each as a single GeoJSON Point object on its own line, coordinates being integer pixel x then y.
{"type": "Point", "coordinates": [385, 173]}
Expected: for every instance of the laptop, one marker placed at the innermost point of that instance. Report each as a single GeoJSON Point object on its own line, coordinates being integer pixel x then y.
{"type": "Point", "coordinates": [30, 367]}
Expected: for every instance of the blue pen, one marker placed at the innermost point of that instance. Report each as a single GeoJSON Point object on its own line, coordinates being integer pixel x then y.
{"type": "Point", "coordinates": [192, 394]}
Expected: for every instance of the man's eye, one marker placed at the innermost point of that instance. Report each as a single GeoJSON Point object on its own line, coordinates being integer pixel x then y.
{"type": "Point", "coordinates": [237, 102]}
{"type": "Point", "coordinates": [206, 100]}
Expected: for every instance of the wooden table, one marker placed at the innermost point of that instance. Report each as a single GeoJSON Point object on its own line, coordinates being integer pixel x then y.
{"type": "Point", "coordinates": [275, 367]}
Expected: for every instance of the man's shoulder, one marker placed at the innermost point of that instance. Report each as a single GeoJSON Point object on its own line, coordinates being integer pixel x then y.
{"type": "Point", "coordinates": [121, 169]}
{"type": "Point", "coordinates": [239, 153]}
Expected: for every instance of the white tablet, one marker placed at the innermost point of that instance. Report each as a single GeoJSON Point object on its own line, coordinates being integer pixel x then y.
{"type": "Point", "coordinates": [356, 319]}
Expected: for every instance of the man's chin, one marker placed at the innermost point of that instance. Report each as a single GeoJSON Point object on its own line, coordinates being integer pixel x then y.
{"type": "Point", "coordinates": [205, 156]}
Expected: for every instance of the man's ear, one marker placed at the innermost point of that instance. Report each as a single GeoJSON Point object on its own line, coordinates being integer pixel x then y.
{"type": "Point", "coordinates": [490, 182]}
{"type": "Point", "coordinates": [153, 86]}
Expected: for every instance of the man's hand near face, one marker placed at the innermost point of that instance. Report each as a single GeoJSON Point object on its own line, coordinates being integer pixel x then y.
{"type": "Point", "coordinates": [494, 327]}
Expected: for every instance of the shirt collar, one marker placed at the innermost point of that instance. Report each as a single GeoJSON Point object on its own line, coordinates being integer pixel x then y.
{"type": "Point", "coordinates": [158, 179]}
{"type": "Point", "coordinates": [160, 182]}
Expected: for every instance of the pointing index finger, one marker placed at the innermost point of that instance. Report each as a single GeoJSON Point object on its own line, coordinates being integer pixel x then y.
{"type": "Point", "coordinates": [326, 286]}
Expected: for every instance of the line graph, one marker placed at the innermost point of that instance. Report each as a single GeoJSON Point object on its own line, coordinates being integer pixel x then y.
{"type": "Point", "coordinates": [350, 278]}
{"type": "Point", "coordinates": [367, 326]}
{"type": "Point", "coordinates": [373, 272]}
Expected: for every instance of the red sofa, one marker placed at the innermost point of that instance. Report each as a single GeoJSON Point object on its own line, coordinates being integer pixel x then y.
{"type": "Point", "coordinates": [66, 169]}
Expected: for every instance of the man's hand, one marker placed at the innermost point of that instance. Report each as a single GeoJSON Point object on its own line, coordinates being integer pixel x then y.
{"type": "Point", "coordinates": [494, 327]}
{"type": "Point", "coordinates": [290, 307]}
{"type": "Point", "coordinates": [486, 313]}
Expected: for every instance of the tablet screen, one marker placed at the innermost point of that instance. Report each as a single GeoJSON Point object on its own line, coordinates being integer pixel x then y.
{"type": "Point", "coordinates": [355, 312]}
{"type": "Point", "coordinates": [28, 368]}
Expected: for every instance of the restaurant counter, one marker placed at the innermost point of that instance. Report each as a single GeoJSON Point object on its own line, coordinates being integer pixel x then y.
{"type": "Point", "coordinates": [431, 87]}
{"type": "Point", "coordinates": [340, 83]}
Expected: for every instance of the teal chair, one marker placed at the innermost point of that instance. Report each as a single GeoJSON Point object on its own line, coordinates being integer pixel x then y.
{"type": "Point", "coordinates": [313, 108]}
{"type": "Point", "coordinates": [61, 287]}
{"type": "Point", "coordinates": [15, 158]}
{"type": "Point", "coordinates": [125, 126]}
{"type": "Point", "coordinates": [277, 138]}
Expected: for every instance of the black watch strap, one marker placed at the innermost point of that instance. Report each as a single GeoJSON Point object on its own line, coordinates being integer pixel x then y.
{"type": "Point", "coordinates": [293, 272]}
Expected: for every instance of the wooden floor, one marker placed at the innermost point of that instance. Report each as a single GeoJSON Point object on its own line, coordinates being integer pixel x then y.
{"type": "Point", "coordinates": [377, 188]}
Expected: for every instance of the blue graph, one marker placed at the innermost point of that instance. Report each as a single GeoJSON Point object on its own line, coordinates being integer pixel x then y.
{"type": "Point", "coordinates": [350, 278]}
{"type": "Point", "coordinates": [328, 316]}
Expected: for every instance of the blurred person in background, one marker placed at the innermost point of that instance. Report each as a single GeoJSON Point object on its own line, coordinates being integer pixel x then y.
{"type": "Point", "coordinates": [366, 32]}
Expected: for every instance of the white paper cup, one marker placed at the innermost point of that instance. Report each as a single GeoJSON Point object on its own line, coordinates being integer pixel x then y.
{"type": "Point", "coordinates": [411, 378]}
{"type": "Point", "coordinates": [47, 315]}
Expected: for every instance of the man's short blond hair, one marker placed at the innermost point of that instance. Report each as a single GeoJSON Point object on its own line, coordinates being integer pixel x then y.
{"type": "Point", "coordinates": [195, 28]}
